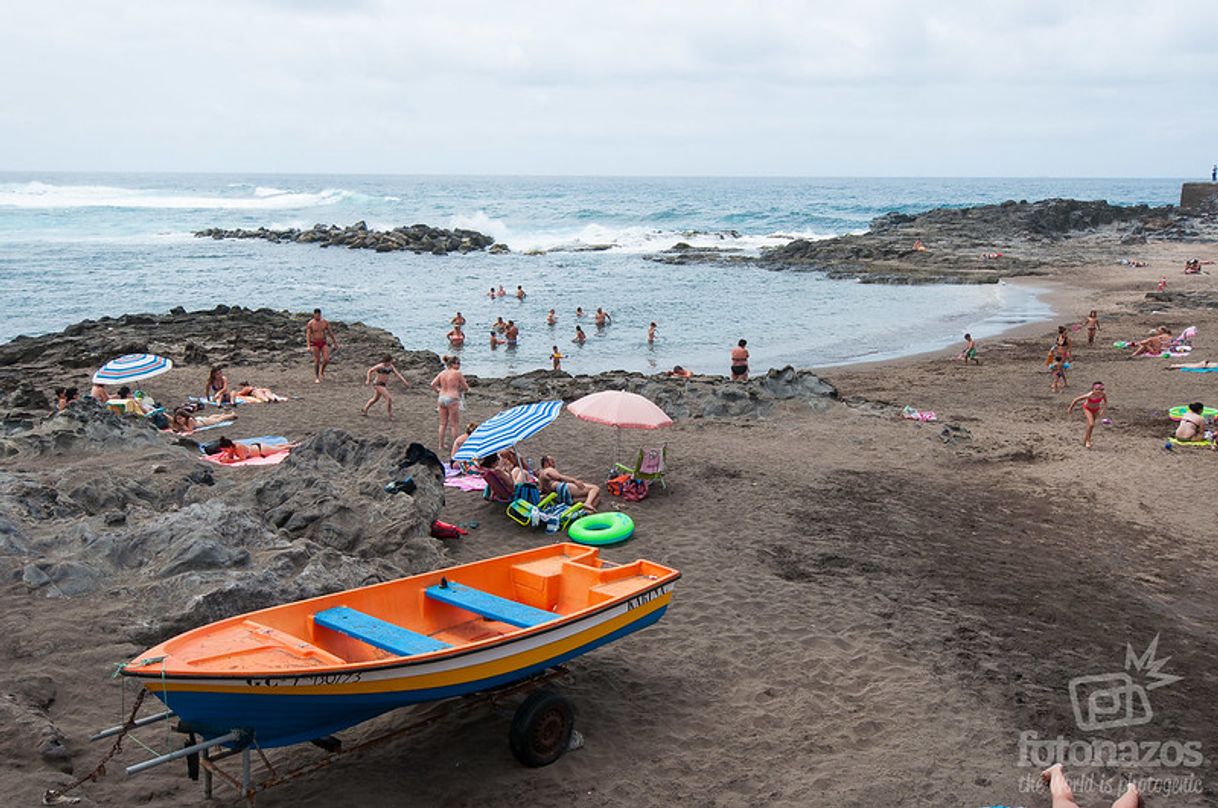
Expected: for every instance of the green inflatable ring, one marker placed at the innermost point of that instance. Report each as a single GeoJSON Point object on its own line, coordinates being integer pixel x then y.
{"type": "Point", "coordinates": [600, 529]}
{"type": "Point", "coordinates": [1176, 413]}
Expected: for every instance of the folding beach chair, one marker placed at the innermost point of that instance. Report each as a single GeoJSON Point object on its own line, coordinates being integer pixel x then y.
{"type": "Point", "coordinates": [649, 466]}
{"type": "Point", "coordinates": [496, 490]}
{"type": "Point", "coordinates": [548, 513]}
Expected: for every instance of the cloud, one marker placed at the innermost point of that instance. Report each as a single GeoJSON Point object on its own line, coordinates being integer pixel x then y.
{"type": "Point", "coordinates": [874, 87]}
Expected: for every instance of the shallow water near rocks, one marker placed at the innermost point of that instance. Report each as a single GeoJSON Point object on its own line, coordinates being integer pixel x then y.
{"type": "Point", "coordinates": [75, 247]}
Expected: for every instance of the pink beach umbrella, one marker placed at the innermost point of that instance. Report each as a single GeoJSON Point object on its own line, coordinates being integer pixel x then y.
{"type": "Point", "coordinates": [619, 409]}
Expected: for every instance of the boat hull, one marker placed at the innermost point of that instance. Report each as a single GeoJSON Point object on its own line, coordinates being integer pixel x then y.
{"type": "Point", "coordinates": [282, 710]}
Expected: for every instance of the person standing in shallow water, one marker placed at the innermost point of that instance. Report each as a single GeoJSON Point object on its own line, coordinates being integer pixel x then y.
{"type": "Point", "coordinates": [740, 361]}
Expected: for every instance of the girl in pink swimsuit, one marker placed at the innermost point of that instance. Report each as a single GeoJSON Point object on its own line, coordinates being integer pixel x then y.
{"type": "Point", "coordinates": [1095, 404]}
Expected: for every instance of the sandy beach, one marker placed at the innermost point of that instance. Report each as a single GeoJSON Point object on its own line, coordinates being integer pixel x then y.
{"type": "Point", "coordinates": [873, 611]}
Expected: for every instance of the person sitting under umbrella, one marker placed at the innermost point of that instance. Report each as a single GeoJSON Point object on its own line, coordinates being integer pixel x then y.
{"type": "Point", "coordinates": [568, 489]}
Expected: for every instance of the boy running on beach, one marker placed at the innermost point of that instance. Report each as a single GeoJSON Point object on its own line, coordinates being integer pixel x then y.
{"type": "Point", "coordinates": [1095, 405]}
{"type": "Point", "coordinates": [380, 384]}
{"type": "Point", "coordinates": [969, 354]}
{"type": "Point", "coordinates": [319, 336]}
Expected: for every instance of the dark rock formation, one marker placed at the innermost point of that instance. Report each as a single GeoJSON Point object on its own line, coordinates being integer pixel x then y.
{"type": "Point", "coordinates": [699, 397]}
{"type": "Point", "coordinates": [94, 520]}
{"type": "Point", "coordinates": [986, 243]}
{"type": "Point", "coordinates": [417, 238]}
{"type": "Point", "coordinates": [1199, 196]}
{"type": "Point", "coordinates": [225, 335]}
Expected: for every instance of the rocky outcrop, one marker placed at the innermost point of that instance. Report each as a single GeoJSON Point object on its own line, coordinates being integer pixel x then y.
{"type": "Point", "coordinates": [417, 238]}
{"type": "Point", "coordinates": [698, 397]}
{"type": "Point", "coordinates": [224, 335]}
{"type": "Point", "coordinates": [983, 244]}
{"type": "Point", "coordinates": [1199, 196]}
{"type": "Point", "coordinates": [190, 546]}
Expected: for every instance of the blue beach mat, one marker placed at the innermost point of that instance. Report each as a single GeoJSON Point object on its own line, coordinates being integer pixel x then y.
{"type": "Point", "coordinates": [1199, 370]}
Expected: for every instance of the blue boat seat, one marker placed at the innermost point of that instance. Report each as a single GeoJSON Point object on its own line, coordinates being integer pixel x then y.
{"type": "Point", "coordinates": [376, 632]}
{"type": "Point", "coordinates": [490, 606]}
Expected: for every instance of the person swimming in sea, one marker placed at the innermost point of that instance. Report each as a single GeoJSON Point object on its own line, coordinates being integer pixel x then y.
{"type": "Point", "coordinates": [520, 295]}
{"type": "Point", "coordinates": [579, 312]}
{"type": "Point", "coordinates": [495, 341]}
{"type": "Point", "coordinates": [551, 318]}
{"type": "Point", "coordinates": [456, 337]}
{"type": "Point", "coordinates": [580, 336]}
{"type": "Point", "coordinates": [651, 334]}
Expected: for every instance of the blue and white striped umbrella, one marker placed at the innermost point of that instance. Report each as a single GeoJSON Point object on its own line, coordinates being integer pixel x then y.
{"type": "Point", "coordinates": [132, 368]}
{"type": "Point", "coordinates": [508, 428]}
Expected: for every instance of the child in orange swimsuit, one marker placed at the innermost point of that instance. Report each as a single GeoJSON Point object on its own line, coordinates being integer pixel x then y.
{"type": "Point", "coordinates": [1095, 404]}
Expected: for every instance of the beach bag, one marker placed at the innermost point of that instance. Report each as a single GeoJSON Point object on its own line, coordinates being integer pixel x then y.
{"type": "Point", "coordinates": [634, 490]}
{"type": "Point", "coordinates": [159, 420]}
{"type": "Point", "coordinates": [443, 530]}
{"type": "Point", "coordinates": [614, 484]}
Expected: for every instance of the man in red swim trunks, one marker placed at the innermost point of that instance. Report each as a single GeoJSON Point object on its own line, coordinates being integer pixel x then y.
{"type": "Point", "coordinates": [319, 337]}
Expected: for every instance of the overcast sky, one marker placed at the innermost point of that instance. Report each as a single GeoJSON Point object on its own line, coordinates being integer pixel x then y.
{"type": "Point", "coordinates": [881, 88]}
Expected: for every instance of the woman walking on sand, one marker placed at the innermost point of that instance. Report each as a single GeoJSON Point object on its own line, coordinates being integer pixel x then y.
{"type": "Point", "coordinates": [450, 387]}
{"type": "Point", "coordinates": [1093, 325]}
{"type": "Point", "coordinates": [1094, 406]}
{"type": "Point", "coordinates": [378, 377]}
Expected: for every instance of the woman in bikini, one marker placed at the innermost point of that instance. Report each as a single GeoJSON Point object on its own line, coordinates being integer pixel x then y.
{"type": "Point", "coordinates": [1095, 404]}
{"type": "Point", "coordinates": [551, 318]}
{"type": "Point", "coordinates": [263, 394]}
{"type": "Point", "coordinates": [217, 387]}
{"type": "Point", "coordinates": [580, 337]}
{"type": "Point", "coordinates": [231, 452]}
{"type": "Point", "coordinates": [378, 377]}
{"type": "Point", "coordinates": [456, 337]}
{"type": "Point", "coordinates": [450, 387]}
{"type": "Point", "coordinates": [740, 362]}
{"type": "Point", "coordinates": [184, 420]}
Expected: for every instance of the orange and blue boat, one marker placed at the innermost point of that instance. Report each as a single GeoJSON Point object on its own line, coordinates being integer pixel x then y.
{"type": "Point", "coordinates": [304, 670]}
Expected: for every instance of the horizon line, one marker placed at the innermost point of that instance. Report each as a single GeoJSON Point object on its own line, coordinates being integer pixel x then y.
{"type": "Point", "coordinates": [232, 172]}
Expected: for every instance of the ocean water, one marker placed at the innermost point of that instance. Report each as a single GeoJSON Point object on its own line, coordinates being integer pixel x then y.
{"type": "Point", "coordinates": [83, 246]}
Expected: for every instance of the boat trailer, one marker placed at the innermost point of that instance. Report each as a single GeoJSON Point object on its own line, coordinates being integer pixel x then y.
{"type": "Point", "coordinates": [542, 730]}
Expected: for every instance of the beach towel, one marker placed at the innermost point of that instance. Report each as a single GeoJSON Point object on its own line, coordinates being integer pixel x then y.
{"type": "Point", "coordinates": [911, 414]}
{"type": "Point", "coordinates": [272, 460]}
{"type": "Point", "coordinates": [465, 482]}
{"type": "Point", "coordinates": [213, 426]}
{"type": "Point", "coordinates": [1199, 370]}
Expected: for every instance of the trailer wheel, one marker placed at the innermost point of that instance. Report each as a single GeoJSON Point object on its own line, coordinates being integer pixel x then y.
{"type": "Point", "coordinates": [541, 729]}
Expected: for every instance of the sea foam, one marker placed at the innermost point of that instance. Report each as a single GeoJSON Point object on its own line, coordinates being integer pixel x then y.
{"type": "Point", "coordinates": [36, 194]}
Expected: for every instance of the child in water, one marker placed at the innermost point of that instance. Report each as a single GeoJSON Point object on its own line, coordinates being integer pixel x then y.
{"type": "Point", "coordinates": [556, 358]}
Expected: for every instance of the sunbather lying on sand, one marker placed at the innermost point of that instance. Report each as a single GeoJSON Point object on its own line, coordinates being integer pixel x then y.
{"type": "Point", "coordinates": [1204, 364]}
{"type": "Point", "coordinates": [569, 489]}
{"type": "Point", "coordinates": [184, 421]}
{"type": "Point", "coordinates": [263, 394]}
{"type": "Point", "coordinates": [1153, 345]}
{"type": "Point", "coordinates": [231, 452]}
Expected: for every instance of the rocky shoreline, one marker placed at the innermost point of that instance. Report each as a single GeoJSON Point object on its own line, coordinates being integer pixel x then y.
{"type": "Point", "coordinates": [416, 238]}
{"type": "Point", "coordinates": [987, 243]}
{"type": "Point", "coordinates": [234, 337]}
